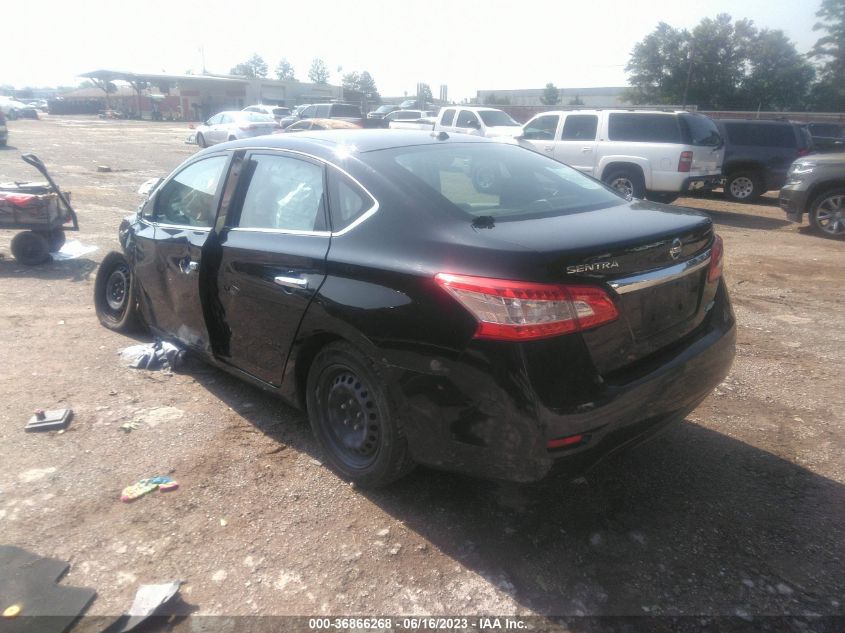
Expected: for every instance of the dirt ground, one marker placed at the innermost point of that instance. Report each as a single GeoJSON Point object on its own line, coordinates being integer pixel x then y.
{"type": "Point", "coordinates": [737, 511]}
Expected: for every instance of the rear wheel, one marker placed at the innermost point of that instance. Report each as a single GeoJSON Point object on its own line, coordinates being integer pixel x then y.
{"type": "Point", "coordinates": [30, 248]}
{"type": "Point", "coordinates": [201, 140]}
{"type": "Point", "coordinates": [114, 294]}
{"type": "Point", "coordinates": [743, 187]}
{"type": "Point", "coordinates": [626, 181]}
{"type": "Point", "coordinates": [353, 418]}
{"type": "Point", "coordinates": [827, 213]}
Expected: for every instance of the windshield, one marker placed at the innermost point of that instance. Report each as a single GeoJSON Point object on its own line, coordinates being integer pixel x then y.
{"type": "Point", "coordinates": [505, 182]}
{"type": "Point", "coordinates": [257, 117]}
{"type": "Point", "coordinates": [701, 130]}
{"type": "Point", "coordinates": [385, 109]}
{"type": "Point", "coordinates": [492, 118]}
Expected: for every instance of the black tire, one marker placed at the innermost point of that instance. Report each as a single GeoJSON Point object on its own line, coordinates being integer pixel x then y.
{"type": "Point", "coordinates": [663, 197]}
{"type": "Point", "coordinates": [744, 186]}
{"type": "Point", "coordinates": [114, 294]}
{"type": "Point", "coordinates": [31, 248]}
{"type": "Point", "coordinates": [201, 140]}
{"type": "Point", "coordinates": [56, 238]}
{"type": "Point", "coordinates": [353, 418]}
{"type": "Point", "coordinates": [827, 213]}
{"type": "Point", "coordinates": [629, 182]}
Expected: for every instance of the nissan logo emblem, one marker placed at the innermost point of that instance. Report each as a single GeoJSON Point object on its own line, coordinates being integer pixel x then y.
{"type": "Point", "coordinates": [676, 248]}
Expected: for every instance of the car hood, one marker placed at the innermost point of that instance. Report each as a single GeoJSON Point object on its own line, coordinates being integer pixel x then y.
{"type": "Point", "coordinates": [503, 130]}
{"type": "Point", "coordinates": [824, 159]}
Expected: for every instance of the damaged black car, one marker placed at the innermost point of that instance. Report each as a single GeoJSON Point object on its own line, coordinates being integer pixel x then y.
{"type": "Point", "coordinates": [537, 321]}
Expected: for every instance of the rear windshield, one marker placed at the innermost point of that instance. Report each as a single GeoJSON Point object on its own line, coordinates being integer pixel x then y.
{"type": "Point", "coordinates": [340, 109]}
{"type": "Point", "coordinates": [385, 109]}
{"type": "Point", "coordinates": [700, 130]}
{"type": "Point", "coordinates": [257, 117]}
{"type": "Point", "coordinates": [505, 182]}
{"type": "Point", "coordinates": [761, 134]}
{"type": "Point", "coordinates": [496, 117]}
{"type": "Point", "coordinates": [826, 129]}
{"type": "Point", "coordinates": [644, 127]}
{"type": "Point", "coordinates": [281, 111]}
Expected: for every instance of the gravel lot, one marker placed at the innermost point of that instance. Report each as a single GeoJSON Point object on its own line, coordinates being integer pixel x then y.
{"type": "Point", "coordinates": [737, 511]}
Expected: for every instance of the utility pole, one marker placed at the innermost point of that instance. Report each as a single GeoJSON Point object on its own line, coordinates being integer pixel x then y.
{"type": "Point", "coordinates": [689, 76]}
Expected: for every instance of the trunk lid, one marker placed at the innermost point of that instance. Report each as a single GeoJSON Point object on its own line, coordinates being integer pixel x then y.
{"type": "Point", "coordinates": [653, 262]}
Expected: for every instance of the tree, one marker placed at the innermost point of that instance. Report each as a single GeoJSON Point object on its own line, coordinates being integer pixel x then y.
{"type": "Point", "coordinates": [424, 94]}
{"type": "Point", "coordinates": [577, 101]}
{"type": "Point", "coordinates": [551, 95]}
{"type": "Point", "coordinates": [719, 65]}
{"type": "Point", "coordinates": [351, 81]}
{"type": "Point", "coordinates": [319, 72]}
{"type": "Point", "coordinates": [253, 68]}
{"type": "Point", "coordinates": [367, 85]}
{"type": "Point", "coordinates": [829, 51]}
{"type": "Point", "coordinates": [284, 71]}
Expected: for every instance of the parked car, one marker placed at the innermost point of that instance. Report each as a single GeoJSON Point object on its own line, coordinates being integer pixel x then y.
{"type": "Point", "coordinates": [423, 123]}
{"type": "Point", "coordinates": [400, 116]}
{"type": "Point", "coordinates": [234, 124]}
{"type": "Point", "coordinates": [815, 185]}
{"type": "Point", "coordinates": [346, 111]}
{"type": "Point", "coordinates": [321, 124]}
{"type": "Point", "coordinates": [277, 112]}
{"type": "Point", "coordinates": [826, 137]}
{"type": "Point", "coordinates": [487, 122]}
{"type": "Point", "coordinates": [39, 104]}
{"type": "Point", "coordinates": [758, 154]}
{"type": "Point", "coordinates": [4, 132]}
{"type": "Point", "coordinates": [14, 109]}
{"type": "Point", "coordinates": [359, 274]}
{"type": "Point", "coordinates": [293, 116]}
{"type": "Point", "coordinates": [382, 111]}
{"type": "Point", "coordinates": [641, 153]}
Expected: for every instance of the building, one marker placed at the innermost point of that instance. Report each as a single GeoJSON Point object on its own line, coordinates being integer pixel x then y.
{"type": "Point", "coordinates": [590, 97]}
{"type": "Point", "coordinates": [187, 97]}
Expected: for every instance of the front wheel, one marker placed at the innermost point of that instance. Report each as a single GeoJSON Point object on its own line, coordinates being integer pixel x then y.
{"type": "Point", "coordinates": [114, 294]}
{"type": "Point", "coordinates": [201, 140]}
{"type": "Point", "coordinates": [827, 213]}
{"type": "Point", "coordinates": [353, 418]}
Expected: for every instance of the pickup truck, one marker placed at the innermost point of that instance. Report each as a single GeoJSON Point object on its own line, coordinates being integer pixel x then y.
{"type": "Point", "coordinates": [488, 122]}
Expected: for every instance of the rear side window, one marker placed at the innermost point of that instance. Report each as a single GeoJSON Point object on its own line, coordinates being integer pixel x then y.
{"type": "Point", "coordinates": [644, 127]}
{"type": "Point", "coordinates": [580, 127]}
{"type": "Point", "coordinates": [760, 134]}
{"type": "Point", "coordinates": [700, 130]}
{"type": "Point", "coordinates": [343, 110]}
{"type": "Point", "coordinates": [542, 128]}
{"type": "Point", "coordinates": [284, 193]}
{"type": "Point", "coordinates": [188, 198]}
{"type": "Point", "coordinates": [448, 117]}
{"type": "Point", "coordinates": [347, 201]}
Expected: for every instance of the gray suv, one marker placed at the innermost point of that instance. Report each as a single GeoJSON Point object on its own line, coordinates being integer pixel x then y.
{"type": "Point", "coordinates": [816, 185]}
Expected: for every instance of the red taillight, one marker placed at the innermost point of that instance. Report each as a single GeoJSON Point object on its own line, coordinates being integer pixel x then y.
{"type": "Point", "coordinates": [685, 162]}
{"type": "Point", "coordinates": [716, 253]}
{"type": "Point", "coordinates": [804, 151]}
{"type": "Point", "coordinates": [563, 442]}
{"type": "Point", "coordinates": [522, 311]}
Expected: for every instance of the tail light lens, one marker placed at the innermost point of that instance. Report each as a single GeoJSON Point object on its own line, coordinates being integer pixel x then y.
{"type": "Point", "coordinates": [803, 151]}
{"type": "Point", "coordinates": [716, 253]}
{"type": "Point", "coordinates": [523, 311]}
{"type": "Point", "coordinates": [685, 162]}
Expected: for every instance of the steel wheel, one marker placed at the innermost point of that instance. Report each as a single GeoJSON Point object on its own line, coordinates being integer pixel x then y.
{"type": "Point", "coordinates": [113, 294]}
{"type": "Point", "coordinates": [351, 417]}
{"type": "Point", "coordinates": [743, 187]}
{"type": "Point", "coordinates": [117, 288]}
{"type": "Point", "coordinates": [828, 214]}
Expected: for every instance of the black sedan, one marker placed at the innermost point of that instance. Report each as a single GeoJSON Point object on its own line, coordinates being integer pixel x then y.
{"type": "Point", "coordinates": [363, 276]}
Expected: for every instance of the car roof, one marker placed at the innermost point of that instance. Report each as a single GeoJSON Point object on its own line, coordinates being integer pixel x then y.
{"type": "Point", "coordinates": [323, 143]}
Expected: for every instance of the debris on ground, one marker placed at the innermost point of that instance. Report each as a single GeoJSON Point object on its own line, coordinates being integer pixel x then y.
{"type": "Point", "coordinates": [128, 427]}
{"type": "Point", "coordinates": [149, 601]}
{"type": "Point", "coordinates": [153, 356]}
{"type": "Point", "coordinates": [145, 486]}
{"type": "Point", "coordinates": [53, 420]}
{"type": "Point", "coordinates": [73, 249]}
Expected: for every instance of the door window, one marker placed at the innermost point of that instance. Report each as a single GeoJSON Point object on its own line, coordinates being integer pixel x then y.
{"type": "Point", "coordinates": [580, 127]}
{"type": "Point", "coordinates": [348, 201]}
{"type": "Point", "coordinates": [188, 198]}
{"type": "Point", "coordinates": [308, 112]}
{"type": "Point", "coordinates": [467, 119]}
{"type": "Point", "coordinates": [284, 193]}
{"type": "Point", "coordinates": [322, 111]}
{"type": "Point", "coordinates": [214, 120]}
{"type": "Point", "coordinates": [448, 117]}
{"type": "Point", "coordinates": [542, 128]}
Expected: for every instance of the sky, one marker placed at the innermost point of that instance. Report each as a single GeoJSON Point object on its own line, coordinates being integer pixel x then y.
{"type": "Point", "coordinates": [468, 45]}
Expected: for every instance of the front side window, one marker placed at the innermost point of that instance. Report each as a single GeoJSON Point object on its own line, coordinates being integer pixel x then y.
{"type": "Point", "coordinates": [542, 128]}
{"type": "Point", "coordinates": [283, 193]}
{"type": "Point", "coordinates": [448, 117]}
{"type": "Point", "coordinates": [467, 119]}
{"type": "Point", "coordinates": [344, 110]}
{"type": "Point", "coordinates": [188, 198]}
{"type": "Point", "coordinates": [644, 127]}
{"type": "Point", "coordinates": [308, 112]}
{"type": "Point", "coordinates": [580, 127]}
{"type": "Point", "coordinates": [322, 111]}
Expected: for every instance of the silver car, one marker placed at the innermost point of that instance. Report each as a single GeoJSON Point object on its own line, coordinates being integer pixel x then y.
{"type": "Point", "coordinates": [234, 124]}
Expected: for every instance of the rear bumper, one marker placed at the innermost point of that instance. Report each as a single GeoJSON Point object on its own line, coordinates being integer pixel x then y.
{"type": "Point", "coordinates": [701, 183]}
{"type": "Point", "coordinates": [793, 201]}
{"type": "Point", "coordinates": [480, 415]}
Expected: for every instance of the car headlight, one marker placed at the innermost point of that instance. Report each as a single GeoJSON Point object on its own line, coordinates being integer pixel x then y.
{"type": "Point", "coordinates": [798, 170]}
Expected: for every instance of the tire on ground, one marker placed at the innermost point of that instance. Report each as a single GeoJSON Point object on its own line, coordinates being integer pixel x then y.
{"type": "Point", "coordinates": [827, 213]}
{"type": "Point", "coordinates": [114, 294]}
{"type": "Point", "coordinates": [744, 186]}
{"type": "Point", "coordinates": [626, 180]}
{"type": "Point", "coordinates": [31, 248]}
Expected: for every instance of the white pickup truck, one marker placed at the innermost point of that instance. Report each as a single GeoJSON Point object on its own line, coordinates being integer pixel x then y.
{"type": "Point", "coordinates": [488, 122]}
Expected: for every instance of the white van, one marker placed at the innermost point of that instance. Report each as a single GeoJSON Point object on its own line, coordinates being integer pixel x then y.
{"type": "Point", "coordinates": [642, 153]}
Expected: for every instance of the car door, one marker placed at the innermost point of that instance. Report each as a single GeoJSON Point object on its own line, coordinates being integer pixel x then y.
{"type": "Point", "coordinates": [576, 142]}
{"type": "Point", "coordinates": [540, 133]}
{"type": "Point", "coordinates": [272, 261]}
{"type": "Point", "coordinates": [169, 250]}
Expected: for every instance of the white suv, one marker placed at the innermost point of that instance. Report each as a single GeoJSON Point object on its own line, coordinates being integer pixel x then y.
{"type": "Point", "coordinates": [642, 153]}
{"type": "Point", "coordinates": [479, 121]}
